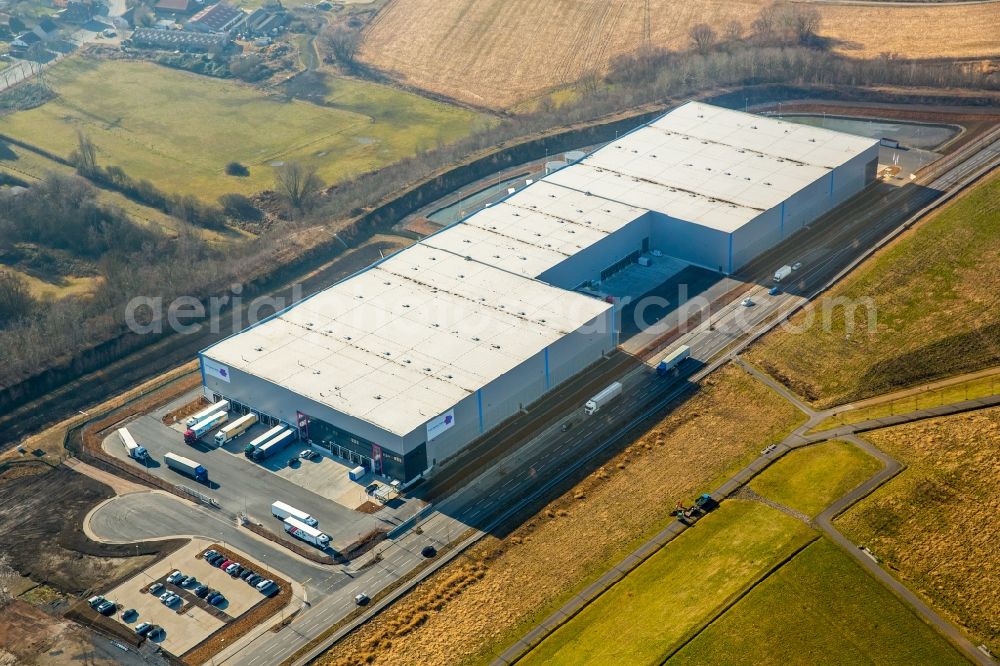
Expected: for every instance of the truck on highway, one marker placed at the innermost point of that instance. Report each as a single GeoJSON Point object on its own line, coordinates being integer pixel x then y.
{"type": "Point", "coordinates": [672, 360]}
{"type": "Point", "coordinates": [186, 466]}
{"type": "Point", "coordinates": [221, 406]}
{"type": "Point", "coordinates": [300, 530]}
{"type": "Point", "coordinates": [203, 427]}
{"type": "Point", "coordinates": [782, 273]}
{"type": "Point", "coordinates": [604, 397]}
{"type": "Point", "coordinates": [235, 429]}
{"type": "Point", "coordinates": [272, 446]}
{"type": "Point", "coordinates": [281, 510]}
{"type": "Point", "coordinates": [261, 439]}
{"type": "Point", "coordinates": [134, 451]}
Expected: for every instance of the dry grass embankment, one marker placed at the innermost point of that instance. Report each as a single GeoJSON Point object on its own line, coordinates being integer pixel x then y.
{"type": "Point", "coordinates": [935, 525]}
{"type": "Point", "coordinates": [489, 596]}
{"type": "Point", "coordinates": [935, 294]}
{"type": "Point", "coordinates": [495, 53]}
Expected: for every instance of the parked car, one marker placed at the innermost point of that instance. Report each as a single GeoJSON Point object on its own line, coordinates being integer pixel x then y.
{"type": "Point", "coordinates": [201, 591]}
{"type": "Point", "coordinates": [747, 302]}
{"type": "Point", "coordinates": [107, 608]}
{"type": "Point", "coordinates": [264, 583]}
{"type": "Point", "coordinates": [174, 577]}
{"type": "Point", "coordinates": [254, 579]}
{"type": "Point", "coordinates": [218, 599]}
{"type": "Point", "coordinates": [216, 560]}
{"type": "Point", "coordinates": [210, 553]}
{"type": "Point", "coordinates": [156, 588]}
{"type": "Point", "coordinates": [246, 574]}
{"type": "Point", "coordinates": [271, 590]}
{"type": "Point", "coordinates": [309, 454]}
{"type": "Point", "coordinates": [130, 615]}
{"type": "Point", "coordinates": [361, 599]}
{"type": "Point", "coordinates": [224, 564]}
{"type": "Point", "coordinates": [96, 601]}
{"type": "Point", "coordinates": [144, 628]}
{"type": "Point", "coordinates": [231, 568]}
{"type": "Point", "coordinates": [773, 291]}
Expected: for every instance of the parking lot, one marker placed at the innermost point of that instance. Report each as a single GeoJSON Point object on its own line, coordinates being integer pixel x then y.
{"type": "Point", "coordinates": [319, 487]}
{"type": "Point", "coordinates": [191, 621]}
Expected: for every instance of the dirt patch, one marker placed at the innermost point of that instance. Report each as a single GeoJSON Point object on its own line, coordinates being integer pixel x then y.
{"type": "Point", "coordinates": [369, 507]}
{"type": "Point", "coordinates": [41, 533]}
{"type": "Point", "coordinates": [489, 596]}
{"type": "Point", "coordinates": [30, 636]}
{"type": "Point", "coordinates": [935, 525]}
{"type": "Point", "coordinates": [185, 411]}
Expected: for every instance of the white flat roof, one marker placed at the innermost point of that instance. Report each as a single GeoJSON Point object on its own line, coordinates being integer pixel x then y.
{"type": "Point", "coordinates": [712, 166]}
{"type": "Point", "coordinates": [405, 340]}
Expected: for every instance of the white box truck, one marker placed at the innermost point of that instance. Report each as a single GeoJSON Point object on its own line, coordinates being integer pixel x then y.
{"type": "Point", "coordinates": [203, 427]}
{"type": "Point", "coordinates": [221, 406]}
{"type": "Point", "coordinates": [235, 429]}
{"type": "Point", "coordinates": [604, 397]}
{"type": "Point", "coordinates": [131, 447]}
{"type": "Point", "coordinates": [782, 273]}
{"type": "Point", "coordinates": [281, 510]}
{"type": "Point", "coordinates": [272, 446]}
{"type": "Point", "coordinates": [259, 440]}
{"type": "Point", "coordinates": [300, 530]}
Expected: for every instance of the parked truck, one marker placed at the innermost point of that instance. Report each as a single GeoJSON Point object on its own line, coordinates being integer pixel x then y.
{"type": "Point", "coordinates": [281, 510]}
{"type": "Point", "coordinates": [672, 360]}
{"type": "Point", "coordinates": [221, 406]}
{"type": "Point", "coordinates": [203, 427]}
{"type": "Point", "coordinates": [186, 466]}
{"type": "Point", "coordinates": [131, 447]}
{"type": "Point", "coordinates": [604, 397]}
{"type": "Point", "coordinates": [261, 439]}
{"type": "Point", "coordinates": [235, 429]}
{"type": "Point", "coordinates": [300, 530]}
{"type": "Point", "coordinates": [782, 273]}
{"type": "Point", "coordinates": [269, 448]}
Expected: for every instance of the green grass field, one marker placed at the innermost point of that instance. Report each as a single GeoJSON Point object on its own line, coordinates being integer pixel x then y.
{"type": "Point", "coordinates": [179, 130]}
{"type": "Point", "coordinates": [812, 478]}
{"type": "Point", "coordinates": [677, 590]}
{"type": "Point", "coordinates": [937, 297]}
{"type": "Point", "coordinates": [820, 608]}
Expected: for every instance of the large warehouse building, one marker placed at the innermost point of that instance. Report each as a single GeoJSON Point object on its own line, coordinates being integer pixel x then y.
{"type": "Point", "coordinates": [404, 364]}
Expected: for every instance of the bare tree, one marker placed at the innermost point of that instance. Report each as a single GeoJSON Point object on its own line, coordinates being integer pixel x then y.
{"type": "Point", "coordinates": [733, 31]}
{"type": "Point", "coordinates": [16, 302]}
{"type": "Point", "coordinates": [804, 22]}
{"type": "Point", "coordinates": [343, 43]}
{"type": "Point", "coordinates": [299, 185]}
{"type": "Point", "coordinates": [702, 37]}
{"type": "Point", "coordinates": [766, 22]}
{"type": "Point", "coordinates": [84, 158]}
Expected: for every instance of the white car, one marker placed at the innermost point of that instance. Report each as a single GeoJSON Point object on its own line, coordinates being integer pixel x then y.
{"type": "Point", "coordinates": [797, 265]}
{"type": "Point", "coordinates": [746, 302]}
{"type": "Point", "coordinates": [361, 599]}
{"type": "Point", "coordinates": [174, 576]}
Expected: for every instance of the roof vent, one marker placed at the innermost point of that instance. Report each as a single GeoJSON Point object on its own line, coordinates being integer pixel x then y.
{"type": "Point", "coordinates": [315, 372]}
{"type": "Point", "coordinates": [260, 349]}
{"type": "Point", "coordinates": [387, 353]}
{"type": "Point", "coordinates": [766, 183]}
{"type": "Point", "coordinates": [378, 397]}
{"type": "Point", "coordinates": [427, 369]}
{"type": "Point", "coordinates": [495, 346]}
{"type": "Point", "coordinates": [461, 276]}
{"type": "Point", "coordinates": [475, 339]}
{"type": "Point", "coordinates": [407, 361]}
{"type": "Point", "coordinates": [347, 337]}
{"type": "Point", "coordinates": [406, 305]}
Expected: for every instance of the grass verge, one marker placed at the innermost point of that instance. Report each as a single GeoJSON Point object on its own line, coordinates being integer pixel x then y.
{"type": "Point", "coordinates": [936, 297]}
{"type": "Point", "coordinates": [935, 524]}
{"type": "Point", "coordinates": [810, 479]}
{"type": "Point", "coordinates": [820, 607]}
{"type": "Point", "coordinates": [678, 589]}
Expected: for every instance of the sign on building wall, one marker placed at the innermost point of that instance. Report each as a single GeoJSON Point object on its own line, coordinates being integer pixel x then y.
{"type": "Point", "coordinates": [303, 424]}
{"type": "Point", "coordinates": [439, 425]}
{"type": "Point", "coordinates": [214, 369]}
{"type": "Point", "coordinates": [377, 458]}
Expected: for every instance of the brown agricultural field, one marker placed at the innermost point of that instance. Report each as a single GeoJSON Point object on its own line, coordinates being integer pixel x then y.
{"type": "Point", "coordinates": [935, 525]}
{"type": "Point", "coordinates": [495, 53]}
{"type": "Point", "coordinates": [489, 596]}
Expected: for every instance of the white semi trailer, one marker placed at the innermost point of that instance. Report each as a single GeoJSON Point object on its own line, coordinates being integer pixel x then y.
{"type": "Point", "coordinates": [221, 406]}
{"type": "Point", "coordinates": [601, 399]}
{"type": "Point", "coordinates": [281, 510]}
{"type": "Point", "coordinates": [134, 450]}
{"type": "Point", "coordinates": [300, 530]}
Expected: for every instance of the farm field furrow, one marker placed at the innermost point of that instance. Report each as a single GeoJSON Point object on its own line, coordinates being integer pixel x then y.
{"type": "Point", "coordinates": [496, 53]}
